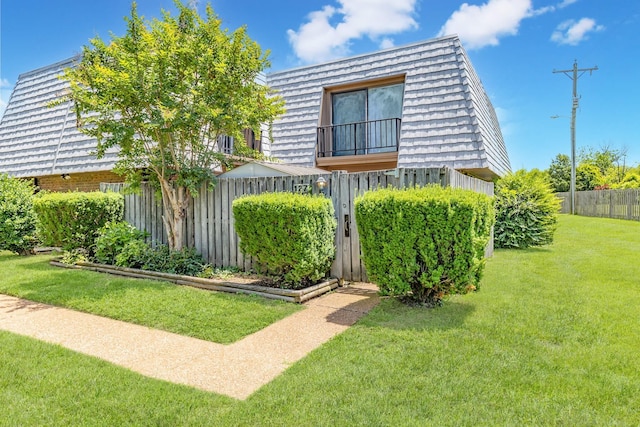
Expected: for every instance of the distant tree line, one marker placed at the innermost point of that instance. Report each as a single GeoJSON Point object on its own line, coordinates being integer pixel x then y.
{"type": "Point", "coordinates": [596, 169]}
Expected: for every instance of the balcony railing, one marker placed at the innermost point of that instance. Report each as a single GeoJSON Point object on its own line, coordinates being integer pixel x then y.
{"type": "Point", "coordinates": [376, 136]}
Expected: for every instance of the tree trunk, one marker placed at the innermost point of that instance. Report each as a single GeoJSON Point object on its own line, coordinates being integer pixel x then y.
{"type": "Point", "coordinates": [175, 201]}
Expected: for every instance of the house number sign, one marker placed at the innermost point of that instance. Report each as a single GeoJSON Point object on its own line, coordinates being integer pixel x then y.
{"type": "Point", "coordinates": [302, 188]}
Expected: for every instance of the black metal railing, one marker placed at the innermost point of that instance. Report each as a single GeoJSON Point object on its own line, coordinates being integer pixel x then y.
{"type": "Point", "coordinates": [376, 136]}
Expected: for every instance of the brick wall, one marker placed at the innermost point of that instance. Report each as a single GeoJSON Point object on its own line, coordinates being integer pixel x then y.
{"type": "Point", "coordinates": [88, 181]}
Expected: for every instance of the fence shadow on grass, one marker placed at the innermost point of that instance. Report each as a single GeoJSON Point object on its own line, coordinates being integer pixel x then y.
{"type": "Point", "coordinates": [529, 251]}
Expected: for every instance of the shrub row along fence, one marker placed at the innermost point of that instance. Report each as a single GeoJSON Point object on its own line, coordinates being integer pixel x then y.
{"type": "Point", "coordinates": [209, 226]}
{"type": "Point", "coordinates": [620, 204]}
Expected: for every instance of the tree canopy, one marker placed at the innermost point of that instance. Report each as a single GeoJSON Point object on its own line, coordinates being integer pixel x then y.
{"type": "Point", "coordinates": [601, 168]}
{"type": "Point", "coordinates": [560, 173]}
{"type": "Point", "coordinates": [164, 92]}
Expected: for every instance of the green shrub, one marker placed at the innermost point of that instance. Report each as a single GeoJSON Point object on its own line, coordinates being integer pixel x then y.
{"type": "Point", "coordinates": [134, 254]}
{"type": "Point", "coordinates": [162, 259]}
{"type": "Point", "coordinates": [73, 220]}
{"type": "Point", "coordinates": [121, 244]}
{"type": "Point", "coordinates": [291, 236]}
{"type": "Point", "coordinates": [112, 239]}
{"type": "Point", "coordinates": [424, 243]}
{"type": "Point", "coordinates": [17, 217]}
{"type": "Point", "coordinates": [74, 256]}
{"type": "Point", "coordinates": [526, 210]}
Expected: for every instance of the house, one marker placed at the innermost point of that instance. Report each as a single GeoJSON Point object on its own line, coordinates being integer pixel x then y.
{"type": "Point", "coordinates": [420, 105]}
{"type": "Point", "coordinates": [40, 141]}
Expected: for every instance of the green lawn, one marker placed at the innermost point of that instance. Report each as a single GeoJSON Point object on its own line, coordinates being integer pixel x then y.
{"type": "Point", "coordinates": [552, 338]}
{"type": "Point", "coordinates": [212, 316]}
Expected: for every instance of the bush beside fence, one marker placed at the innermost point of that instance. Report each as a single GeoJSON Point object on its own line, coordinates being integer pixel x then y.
{"type": "Point", "coordinates": [209, 226]}
{"type": "Point", "coordinates": [290, 236]}
{"type": "Point", "coordinates": [73, 220]}
{"type": "Point", "coordinates": [428, 241]}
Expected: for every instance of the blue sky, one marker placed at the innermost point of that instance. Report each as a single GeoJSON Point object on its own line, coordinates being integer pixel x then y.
{"type": "Point", "coordinates": [514, 46]}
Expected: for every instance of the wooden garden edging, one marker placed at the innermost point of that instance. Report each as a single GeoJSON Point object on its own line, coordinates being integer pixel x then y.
{"type": "Point", "coordinates": [289, 295]}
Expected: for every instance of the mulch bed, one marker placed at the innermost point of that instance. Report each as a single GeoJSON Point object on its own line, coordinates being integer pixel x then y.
{"type": "Point", "coordinates": [257, 285]}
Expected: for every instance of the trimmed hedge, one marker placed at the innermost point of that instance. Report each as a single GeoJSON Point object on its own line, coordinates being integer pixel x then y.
{"type": "Point", "coordinates": [291, 236]}
{"type": "Point", "coordinates": [17, 217]}
{"type": "Point", "coordinates": [526, 210]}
{"type": "Point", "coordinates": [73, 220]}
{"type": "Point", "coordinates": [424, 242]}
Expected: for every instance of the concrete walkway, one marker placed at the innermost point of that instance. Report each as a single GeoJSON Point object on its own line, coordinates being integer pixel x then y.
{"type": "Point", "coordinates": [236, 370]}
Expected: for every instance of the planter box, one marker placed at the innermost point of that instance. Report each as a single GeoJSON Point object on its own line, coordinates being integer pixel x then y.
{"type": "Point", "coordinates": [290, 295]}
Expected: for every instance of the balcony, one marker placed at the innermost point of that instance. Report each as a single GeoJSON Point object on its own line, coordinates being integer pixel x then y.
{"type": "Point", "coordinates": [361, 146]}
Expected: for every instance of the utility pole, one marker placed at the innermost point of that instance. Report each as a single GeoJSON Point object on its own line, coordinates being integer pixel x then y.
{"type": "Point", "coordinates": [573, 75]}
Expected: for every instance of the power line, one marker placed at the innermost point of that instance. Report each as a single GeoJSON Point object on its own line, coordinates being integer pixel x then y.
{"type": "Point", "coordinates": [574, 74]}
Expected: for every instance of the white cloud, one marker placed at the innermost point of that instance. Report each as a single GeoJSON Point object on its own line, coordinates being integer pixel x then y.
{"type": "Point", "coordinates": [484, 25]}
{"type": "Point", "coordinates": [543, 10]}
{"type": "Point", "coordinates": [319, 39]}
{"type": "Point", "coordinates": [552, 8]}
{"type": "Point", "coordinates": [386, 43]}
{"type": "Point", "coordinates": [566, 3]}
{"type": "Point", "coordinates": [572, 33]}
{"type": "Point", "coordinates": [4, 83]}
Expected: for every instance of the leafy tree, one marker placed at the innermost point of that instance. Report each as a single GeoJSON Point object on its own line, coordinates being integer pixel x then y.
{"type": "Point", "coordinates": [596, 169]}
{"type": "Point", "coordinates": [163, 93]}
{"type": "Point", "coordinates": [17, 217]}
{"type": "Point", "coordinates": [610, 162]}
{"type": "Point", "coordinates": [588, 177]}
{"type": "Point", "coordinates": [630, 180]}
{"type": "Point", "coordinates": [560, 173]}
{"type": "Point", "coordinates": [604, 158]}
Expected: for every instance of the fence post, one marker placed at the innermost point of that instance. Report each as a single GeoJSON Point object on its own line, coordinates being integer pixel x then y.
{"type": "Point", "coordinates": [611, 205]}
{"type": "Point", "coordinates": [336, 199]}
{"type": "Point", "coordinates": [445, 174]}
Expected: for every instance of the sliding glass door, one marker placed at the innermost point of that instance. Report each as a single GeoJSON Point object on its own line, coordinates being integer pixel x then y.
{"type": "Point", "coordinates": [367, 121]}
{"type": "Point", "coordinates": [349, 117]}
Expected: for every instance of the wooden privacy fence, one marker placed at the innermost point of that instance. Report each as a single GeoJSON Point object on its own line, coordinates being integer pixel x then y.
{"type": "Point", "coordinates": [209, 226]}
{"type": "Point", "coordinates": [620, 204]}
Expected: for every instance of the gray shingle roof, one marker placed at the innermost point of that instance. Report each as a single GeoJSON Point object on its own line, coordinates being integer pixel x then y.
{"type": "Point", "coordinates": [39, 140]}
{"type": "Point", "coordinates": [447, 118]}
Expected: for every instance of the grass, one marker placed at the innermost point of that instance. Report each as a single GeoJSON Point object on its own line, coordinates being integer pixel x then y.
{"type": "Point", "coordinates": [46, 385]}
{"type": "Point", "coordinates": [551, 339]}
{"type": "Point", "coordinates": [211, 316]}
